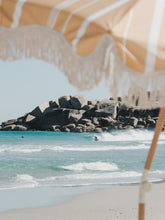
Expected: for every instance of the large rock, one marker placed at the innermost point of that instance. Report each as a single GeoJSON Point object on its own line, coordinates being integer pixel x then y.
{"type": "Point", "coordinates": [64, 101]}
{"type": "Point", "coordinates": [85, 121]}
{"type": "Point", "coordinates": [95, 121]}
{"type": "Point", "coordinates": [8, 127]}
{"type": "Point", "coordinates": [69, 126]}
{"type": "Point", "coordinates": [78, 101]}
{"type": "Point", "coordinates": [54, 117]}
{"type": "Point", "coordinates": [78, 129]}
{"type": "Point", "coordinates": [133, 121]}
{"type": "Point", "coordinates": [108, 111]}
{"type": "Point", "coordinates": [56, 128]}
{"type": "Point", "coordinates": [90, 112]}
{"type": "Point", "coordinates": [87, 107]}
{"type": "Point", "coordinates": [107, 108]}
{"type": "Point", "coordinates": [83, 127]}
{"type": "Point", "coordinates": [105, 103]}
{"type": "Point", "coordinates": [124, 111]}
{"type": "Point", "coordinates": [66, 129]}
{"type": "Point", "coordinates": [9, 122]}
{"type": "Point", "coordinates": [155, 112]}
{"type": "Point", "coordinates": [141, 122]}
{"type": "Point", "coordinates": [39, 110]}
{"type": "Point", "coordinates": [106, 122]}
{"type": "Point", "coordinates": [53, 104]}
{"type": "Point", "coordinates": [128, 127]}
{"type": "Point", "coordinates": [98, 130]}
{"type": "Point", "coordinates": [151, 123]}
{"type": "Point", "coordinates": [90, 127]}
{"type": "Point", "coordinates": [20, 128]}
{"type": "Point", "coordinates": [75, 115]}
{"type": "Point", "coordinates": [29, 118]}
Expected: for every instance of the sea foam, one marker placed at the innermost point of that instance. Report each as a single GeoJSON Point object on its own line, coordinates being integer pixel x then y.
{"type": "Point", "coordinates": [92, 166]}
{"type": "Point", "coordinates": [129, 135]}
{"type": "Point", "coordinates": [25, 181]}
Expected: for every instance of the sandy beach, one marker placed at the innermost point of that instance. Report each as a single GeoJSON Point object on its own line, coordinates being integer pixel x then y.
{"type": "Point", "coordinates": [115, 203]}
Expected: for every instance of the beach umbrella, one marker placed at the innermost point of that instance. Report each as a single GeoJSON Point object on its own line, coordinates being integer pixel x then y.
{"type": "Point", "coordinates": [119, 40]}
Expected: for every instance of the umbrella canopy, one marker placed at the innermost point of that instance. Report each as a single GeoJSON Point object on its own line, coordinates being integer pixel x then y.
{"type": "Point", "coordinates": [121, 40]}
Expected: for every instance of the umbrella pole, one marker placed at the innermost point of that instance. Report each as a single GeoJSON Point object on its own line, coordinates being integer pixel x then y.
{"type": "Point", "coordinates": [145, 185]}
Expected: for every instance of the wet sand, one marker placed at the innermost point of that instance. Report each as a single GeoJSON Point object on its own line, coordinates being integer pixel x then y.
{"type": "Point", "coordinates": [115, 203]}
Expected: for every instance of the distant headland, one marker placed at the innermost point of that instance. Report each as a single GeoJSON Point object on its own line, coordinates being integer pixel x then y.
{"type": "Point", "coordinates": [77, 114]}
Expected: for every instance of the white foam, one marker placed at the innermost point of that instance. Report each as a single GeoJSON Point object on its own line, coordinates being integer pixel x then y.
{"type": "Point", "coordinates": [100, 148]}
{"type": "Point", "coordinates": [30, 149]}
{"type": "Point", "coordinates": [94, 176]}
{"type": "Point", "coordinates": [130, 135]}
{"type": "Point", "coordinates": [159, 172]}
{"type": "Point", "coordinates": [92, 166]}
{"type": "Point", "coordinates": [25, 181]}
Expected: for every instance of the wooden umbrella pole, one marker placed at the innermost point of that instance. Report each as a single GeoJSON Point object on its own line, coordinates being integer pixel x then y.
{"type": "Point", "coordinates": [145, 185]}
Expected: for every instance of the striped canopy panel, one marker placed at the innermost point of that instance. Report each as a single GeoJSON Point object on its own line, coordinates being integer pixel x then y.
{"type": "Point", "coordinates": [121, 40]}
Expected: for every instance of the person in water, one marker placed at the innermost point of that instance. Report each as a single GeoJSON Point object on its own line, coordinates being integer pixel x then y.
{"type": "Point", "coordinates": [96, 138]}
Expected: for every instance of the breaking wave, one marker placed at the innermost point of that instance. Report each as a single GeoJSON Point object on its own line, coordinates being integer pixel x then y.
{"type": "Point", "coordinates": [32, 149]}
{"type": "Point", "coordinates": [99, 166]}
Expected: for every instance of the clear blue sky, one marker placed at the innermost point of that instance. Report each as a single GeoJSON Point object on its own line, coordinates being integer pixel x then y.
{"type": "Point", "coordinates": [28, 83]}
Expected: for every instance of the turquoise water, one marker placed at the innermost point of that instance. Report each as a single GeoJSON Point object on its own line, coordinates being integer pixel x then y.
{"type": "Point", "coordinates": [42, 160]}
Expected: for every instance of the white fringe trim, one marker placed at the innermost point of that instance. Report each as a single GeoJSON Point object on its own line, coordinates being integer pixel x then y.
{"type": "Point", "coordinates": [84, 72]}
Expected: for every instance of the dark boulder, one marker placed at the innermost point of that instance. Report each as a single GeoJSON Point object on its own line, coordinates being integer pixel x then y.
{"type": "Point", "coordinates": [128, 127]}
{"type": "Point", "coordinates": [56, 128]}
{"type": "Point", "coordinates": [106, 121]}
{"type": "Point", "coordinates": [65, 129]}
{"type": "Point", "coordinates": [75, 115]}
{"type": "Point", "coordinates": [98, 130]}
{"type": "Point", "coordinates": [85, 121]}
{"type": "Point", "coordinates": [29, 118]}
{"type": "Point", "coordinates": [87, 107]}
{"type": "Point", "coordinates": [64, 101]}
{"type": "Point", "coordinates": [151, 123]}
{"type": "Point", "coordinates": [69, 127]}
{"type": "Point", "coordinates": [20, 128]}
{"type": "Point", "coordinates": [39, 110]}
{"type": "Point", "coordinates": [78, 102]}
{"type": "Point", "coordinates": [54, 117]}
{"type": "Point", "coordinates": [107, 108]}
{"type": "Point", "coordinates": [90, 127]}
{"type": "Point", "coordinates": [84, 127]}
{"type": "Point", "coordinates": [9, 122]}
{"type": "Point", "coordinates": [78, 129]}
{"type": "Point", "coordinates": [133, 121]}
{"type": "Point", "coordinates": [95, 121]}
{"type": "Point", "coordinates": [141, 122]}
{"type": "Point", "coordinates": [8, 127]}
{"type": "Point", "coordinates": [53, 104]}
{"type": "Point", "coordinates": [123, 111]}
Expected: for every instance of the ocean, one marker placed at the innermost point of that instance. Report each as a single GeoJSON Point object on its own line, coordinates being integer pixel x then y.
{"type": "Point", "coordinates": [54, 166]}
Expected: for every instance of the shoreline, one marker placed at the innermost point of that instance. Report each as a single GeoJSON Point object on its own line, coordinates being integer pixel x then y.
{"type": "Point", "coordinates": [114, 203]}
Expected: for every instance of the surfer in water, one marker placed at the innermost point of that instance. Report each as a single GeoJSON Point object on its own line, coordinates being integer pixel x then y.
{"type": "Point", "coordinates": [95, 138]}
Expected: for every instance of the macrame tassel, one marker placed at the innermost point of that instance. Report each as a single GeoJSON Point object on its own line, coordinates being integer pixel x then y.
{"type": "Point", "coordinates": [136, 89]}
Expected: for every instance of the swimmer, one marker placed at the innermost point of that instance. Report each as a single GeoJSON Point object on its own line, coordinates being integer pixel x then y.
{"type": "Point", "coordinates": [96, 138]}
{"type": "Point", "coordinates": [22, 136]}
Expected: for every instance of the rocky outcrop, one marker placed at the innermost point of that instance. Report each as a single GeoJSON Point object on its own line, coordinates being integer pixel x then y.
{"type": "Point", "coordinates": [78, 102]}
{"type": "Point", "coordinates": [77, 114]}
{"type": "Point", "coordinates": [64, 102]}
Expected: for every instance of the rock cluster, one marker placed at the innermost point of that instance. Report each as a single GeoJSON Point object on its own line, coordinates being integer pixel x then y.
{"type": "Point", "coordinates": [77, 114]}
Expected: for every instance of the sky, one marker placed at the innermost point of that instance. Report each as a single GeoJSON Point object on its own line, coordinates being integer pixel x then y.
{"type": "Point", "coordinates": [25, 84]}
